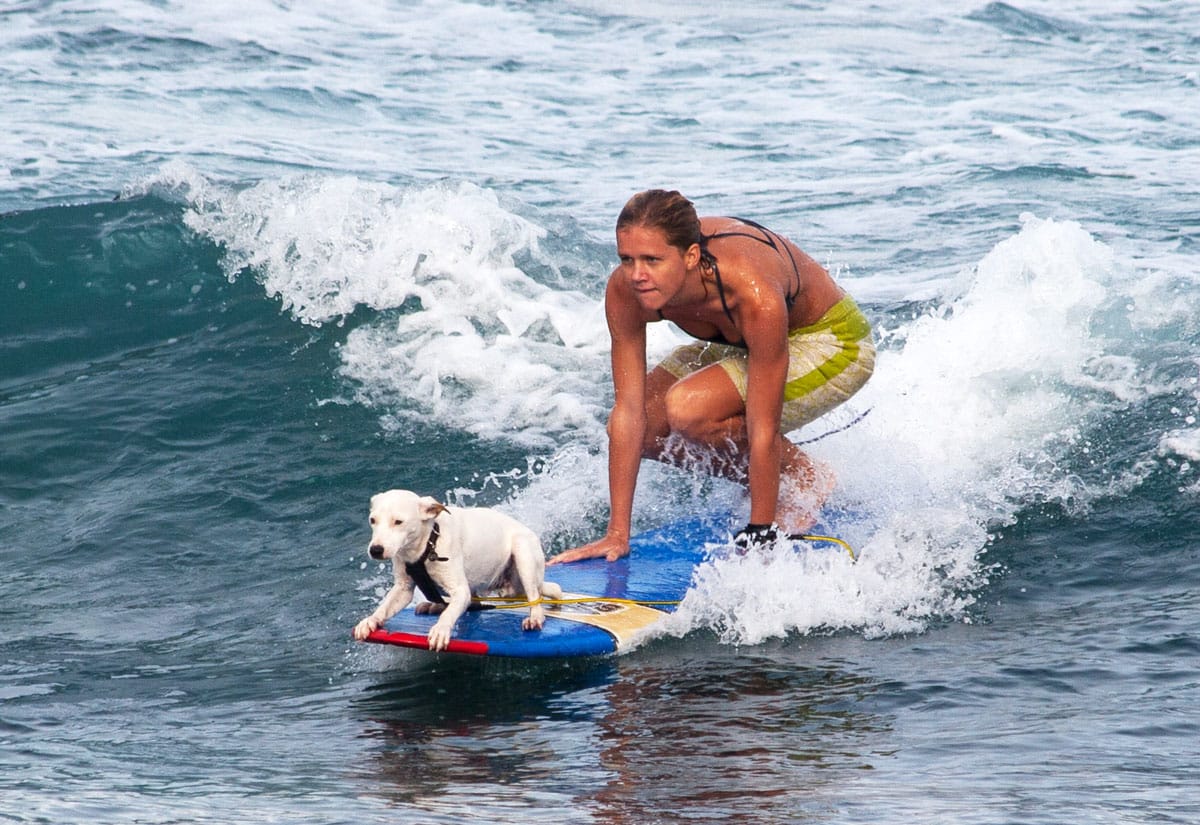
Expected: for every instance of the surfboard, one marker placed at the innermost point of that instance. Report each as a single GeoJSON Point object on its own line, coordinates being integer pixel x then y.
{"type": "Point", "coordinates": [605, 606]}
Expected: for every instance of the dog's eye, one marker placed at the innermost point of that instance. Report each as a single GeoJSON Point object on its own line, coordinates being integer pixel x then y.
{"type": "Point", "coordinates": [372, 521]}
{"type": "Point", "coordinates": [397, 522]}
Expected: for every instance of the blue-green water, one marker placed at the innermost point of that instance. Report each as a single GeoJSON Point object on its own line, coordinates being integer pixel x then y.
{"type": "Point", "coordinates": [255, 267]}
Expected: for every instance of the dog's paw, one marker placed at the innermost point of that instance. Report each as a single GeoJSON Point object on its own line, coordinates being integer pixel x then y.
{"type": "Point", "coordinates": [365, 628]}
{"type": "Point", "coordinates": [429, 608]}
{"type": "Point", "coordinates": [535, 619]}
{"type": "Point", "coordinates": [439, 637]}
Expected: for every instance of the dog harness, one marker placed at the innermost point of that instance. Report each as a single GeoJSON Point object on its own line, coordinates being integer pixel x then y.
{"type": "Point", "coordinates": [420, 576]}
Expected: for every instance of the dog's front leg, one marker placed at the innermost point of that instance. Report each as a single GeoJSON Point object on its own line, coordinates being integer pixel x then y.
{"type": "Point", "coordinates": [396, 600]}
{"type": "Point", "coordinates": [457, 601]}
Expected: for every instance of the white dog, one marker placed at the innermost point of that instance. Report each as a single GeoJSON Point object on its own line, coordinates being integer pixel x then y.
{"type": "Point", "coordinates": [460, 552]}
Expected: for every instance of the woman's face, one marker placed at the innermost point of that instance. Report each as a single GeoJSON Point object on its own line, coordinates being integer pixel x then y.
{"type": "Point", "coordinates": [654, 269]}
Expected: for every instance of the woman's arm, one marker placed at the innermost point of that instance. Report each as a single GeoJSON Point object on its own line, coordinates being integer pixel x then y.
{"type": "Point", "coordinates": [762, 317]}
{"type": "Point", "coordinates": [626, 425]}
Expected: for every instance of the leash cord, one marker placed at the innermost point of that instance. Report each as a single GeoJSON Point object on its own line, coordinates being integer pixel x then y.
{"type": "Point", "coordinates": [517, 602]}
{"type": "Point", "coordinates": [831, 539]}
{"type": "Point", "coordinates": [835, 430]}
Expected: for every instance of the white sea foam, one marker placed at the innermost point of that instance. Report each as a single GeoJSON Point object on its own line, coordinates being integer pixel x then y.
{"type": "Point", "coordinates": [463, 337]}
{"type": "Point", "coordinates": [1183, 443]}
{"type": "Point", "coordinates": [1180, 447]}
{"type": "Point", "coordinates": [990, 370]}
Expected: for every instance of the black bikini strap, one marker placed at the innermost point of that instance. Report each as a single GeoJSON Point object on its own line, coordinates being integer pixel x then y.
{"type": "Point", "coordinates": [770, 240]}
{"type": "Point", "coordinates": [710, 260]}
{"type": "Point", "coordinates": [716, 271]}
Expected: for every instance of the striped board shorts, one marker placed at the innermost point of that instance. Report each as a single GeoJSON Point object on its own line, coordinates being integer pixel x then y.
{"type": "Point", "coordinates": [828, 362]}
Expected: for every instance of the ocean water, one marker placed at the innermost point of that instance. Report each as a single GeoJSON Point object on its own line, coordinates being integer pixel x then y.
{"type": "Point", "coordinates": [260, 260]}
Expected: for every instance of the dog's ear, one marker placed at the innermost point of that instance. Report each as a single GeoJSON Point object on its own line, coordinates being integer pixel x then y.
{"type": "Point", "coordinates": [431, 507]}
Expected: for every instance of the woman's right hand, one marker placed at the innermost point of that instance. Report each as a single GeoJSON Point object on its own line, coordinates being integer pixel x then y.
{"type": "Point", "coordinates": [610, 547]}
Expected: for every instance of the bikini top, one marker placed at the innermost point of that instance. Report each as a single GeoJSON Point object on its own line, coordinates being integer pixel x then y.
{"type": "Point", "coordinates": [772, 240]}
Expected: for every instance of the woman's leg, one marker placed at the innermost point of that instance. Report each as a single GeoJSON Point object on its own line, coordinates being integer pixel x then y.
{"type": "Point", "coordinates": [704, 410]}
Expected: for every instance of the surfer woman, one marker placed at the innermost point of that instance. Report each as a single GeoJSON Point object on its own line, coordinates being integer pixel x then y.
{"type": "Point", "coordinates": [779, 345]}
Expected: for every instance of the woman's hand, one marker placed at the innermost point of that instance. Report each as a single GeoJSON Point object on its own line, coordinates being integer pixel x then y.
{"type": "Point", "coordinates": [610, 547]}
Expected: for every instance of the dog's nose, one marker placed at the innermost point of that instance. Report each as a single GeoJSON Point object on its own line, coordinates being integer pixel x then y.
{"type": "Point", "coordinates": [376, 551]}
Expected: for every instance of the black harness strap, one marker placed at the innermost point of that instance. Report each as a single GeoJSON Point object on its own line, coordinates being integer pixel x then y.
{"type": "Point", "coordinates": [420, 576]}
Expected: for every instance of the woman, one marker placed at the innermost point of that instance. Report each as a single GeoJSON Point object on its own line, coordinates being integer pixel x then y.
{"type": "Point", "coordinates": [779, 345]}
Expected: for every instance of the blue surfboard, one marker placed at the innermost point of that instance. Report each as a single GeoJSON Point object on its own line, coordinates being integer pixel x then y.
{"type": "Point", "coordinates": [605, 605]}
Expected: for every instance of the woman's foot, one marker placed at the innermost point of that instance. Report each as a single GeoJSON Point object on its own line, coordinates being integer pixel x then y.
{"type": "Point", "coordinates": [802, 492]}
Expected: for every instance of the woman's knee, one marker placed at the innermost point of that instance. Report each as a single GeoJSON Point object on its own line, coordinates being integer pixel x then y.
{"type": "Point", "coordinates": [655, 434]}
{"type": "Point", "coordinates": [686, 412]}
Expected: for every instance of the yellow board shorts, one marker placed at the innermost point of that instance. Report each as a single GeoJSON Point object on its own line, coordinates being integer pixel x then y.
{"type": "Point", "coordinates": [828, 362]}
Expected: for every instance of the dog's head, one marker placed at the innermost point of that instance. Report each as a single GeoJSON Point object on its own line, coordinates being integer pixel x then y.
{"type": "Point", "coordinates": [398, 520]}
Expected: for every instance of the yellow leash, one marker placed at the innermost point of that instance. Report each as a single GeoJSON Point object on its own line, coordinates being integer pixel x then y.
{"type": "Point", "coordinates": [833, 539]}
{"type": "Point", "coordinates": [516, 602]}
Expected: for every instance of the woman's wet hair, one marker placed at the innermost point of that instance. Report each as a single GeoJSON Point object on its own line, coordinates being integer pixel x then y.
{"type": "Point", "coordinates": [666, 210]}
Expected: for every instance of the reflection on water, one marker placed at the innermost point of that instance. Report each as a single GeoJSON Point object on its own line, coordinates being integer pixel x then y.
{"type": "Point", "coordinates": [681, 731]}
{"type": "Point", "coordinates": [719, 734]}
